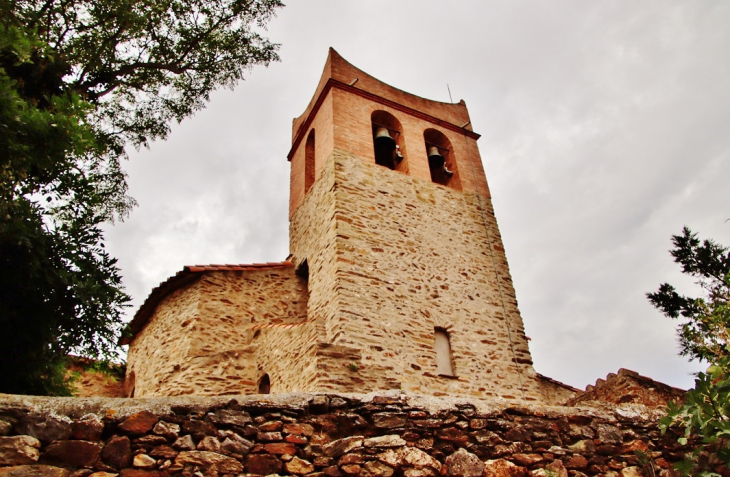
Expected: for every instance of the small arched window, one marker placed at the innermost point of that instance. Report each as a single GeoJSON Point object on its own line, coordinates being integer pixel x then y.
{"type": "Point", "coordinates": [388, 141]}
{"type": "Point", "coordinates": [442, 346]}
{"type": "Point", "coordinates": [265, 384]}
{"type": "Point", "coordinates": [309, 162]}
{"type": "Point", "coordinates": [441, 161]}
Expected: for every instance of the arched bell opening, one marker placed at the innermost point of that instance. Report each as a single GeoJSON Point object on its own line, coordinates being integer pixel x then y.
{"type": "Point", "coordinates": [441, 160]}
{"type": "Point", "coordinates": [309, 173]}
{"type": "Point", "coordinates": [388, 142]}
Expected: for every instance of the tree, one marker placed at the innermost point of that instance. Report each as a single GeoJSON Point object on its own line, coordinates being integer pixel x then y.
{"type": "Point", "coordinates": [705, 414]}
{"type": "Point", "coordinates": [79, 81]}
{"type": "Point", "coordinates": [704, 333]}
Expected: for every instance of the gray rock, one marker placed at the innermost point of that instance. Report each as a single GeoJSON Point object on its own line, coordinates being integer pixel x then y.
{"type": "Point", "coordinates": [341, 446]}
{"type": "Point", "coordinates": [209, 443]}
{"type": "Point", "coordinates": [209, 461]}
{"type": "Point", "coordinates": [463, 463]}
{"type": "Point", "coordinates": [169, 430]}
{"type": "Point", "coordinates": [184, 443]}
{"type": "Point", "coordinates": [236, 444]}
{"type": "Point", "coordinates": [45, 428]}
{"type": "Point", "coordinates": [143, 461]}
{"type": "Point", "coordinates": [392, 440]}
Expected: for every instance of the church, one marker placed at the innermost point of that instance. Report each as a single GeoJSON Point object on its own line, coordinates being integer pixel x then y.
{"type": "Point", "coordinates": [397, 277]}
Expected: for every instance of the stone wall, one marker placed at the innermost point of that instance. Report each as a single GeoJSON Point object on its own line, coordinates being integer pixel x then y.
{"type": "Point", "coordinates": [381, 435]}
{"type": "Point", "coordinates": [391, 258]}
{"type": "Point", "coordinates": [201, 338]}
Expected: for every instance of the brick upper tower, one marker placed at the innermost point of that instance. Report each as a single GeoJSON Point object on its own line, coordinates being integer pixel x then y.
{"type": "Point", "coordinates": [397, 277]}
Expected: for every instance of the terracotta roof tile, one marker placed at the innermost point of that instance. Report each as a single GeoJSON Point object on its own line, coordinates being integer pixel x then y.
{"type": "Point", "coordinates": [188, 274]}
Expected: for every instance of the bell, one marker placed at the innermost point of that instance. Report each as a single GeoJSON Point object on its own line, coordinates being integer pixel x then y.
{"type": "Point", "coordinates": [383, 139]}
{"type": "Point", "coordinates": [435, 159]}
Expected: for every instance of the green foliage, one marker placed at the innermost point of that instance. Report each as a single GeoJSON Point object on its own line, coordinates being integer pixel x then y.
{"type": "Point", "coordinates": [704, 332]}
{"type": "Point", "coordinates": [705, 414]}
{"type": "Point", "coordinates": [705, 418]}
{"type": "Point", "coordinates": [78, 81]}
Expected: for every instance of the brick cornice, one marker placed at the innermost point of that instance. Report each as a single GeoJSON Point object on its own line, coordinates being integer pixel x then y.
{"type": "Point", "coordinates": [333, 83]}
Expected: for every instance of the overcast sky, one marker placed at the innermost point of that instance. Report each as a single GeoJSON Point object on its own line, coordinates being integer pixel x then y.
{"type": "Point", "coordinates": [605, 128]}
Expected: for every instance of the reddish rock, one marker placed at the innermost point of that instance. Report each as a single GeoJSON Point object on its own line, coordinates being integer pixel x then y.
{"type": "Point", "coordinates": [139, 423]}
{"type": "Point", "coordinates": [452, 434]}
{"type": "Point", "coordinates": [633, 446]}
{"type": "Point", "coordinates": [88, 428]}
{"type": "Point", "coordinates": [73, 453]}
{"type": "Point", "coordinates": [332, 471]}
{"type": "Point", "coordinates": [18, 450]}
{"type": "Point", "coordinates": [299, 429]}
{"type": "Point", "coordinates": [295, 439]}
{"type": "Point", "coordinates": [263, 464]}
{"type": "Point", "coordinates": [142, 473]}
{"type": "Point", "coordinates": [163, 452]}
{"type": "Point", "coordinates": [34, 471]}
{"type": "Point", "coordinates": [280, 448]}
{"type": "Point", "coordinates": [463, 463]}
{"type": "Point", "coordinates": [117, 452]}
{"type": "Point", "coordinates": [271, 426]}
{"type": "Point", "coordinates": [351, 459]}
{"type": "Point", "coordinates": [577, 462]}
{"type": "Point", "coordinates": [269, 436]}
{"type": "Point", "coordinates": [477, 423]}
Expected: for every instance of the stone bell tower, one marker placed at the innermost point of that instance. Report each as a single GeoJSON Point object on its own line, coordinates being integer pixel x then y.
{"type": "Point", "coordinates": [397, 277]}
{"type": "Point", "coordinates": [393, 227]}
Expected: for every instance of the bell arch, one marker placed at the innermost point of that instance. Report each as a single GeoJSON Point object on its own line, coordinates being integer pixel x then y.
{"type": "Point", "coordinates": [388, 143]}
{"type": "Point", "coordinates": [441, 161]}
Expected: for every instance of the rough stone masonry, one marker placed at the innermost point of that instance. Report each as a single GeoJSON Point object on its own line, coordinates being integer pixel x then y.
{"type": "Point", "coordinates": [380, 435]}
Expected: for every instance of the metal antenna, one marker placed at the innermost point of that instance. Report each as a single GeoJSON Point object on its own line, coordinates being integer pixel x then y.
{"type": "Point", "coordinates": [447, 87]}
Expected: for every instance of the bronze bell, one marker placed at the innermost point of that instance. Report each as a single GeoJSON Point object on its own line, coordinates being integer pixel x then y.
{"type": "Point", "coordinates": [383, 139]}
{"type": "Point", "coordinates": [435, 159]}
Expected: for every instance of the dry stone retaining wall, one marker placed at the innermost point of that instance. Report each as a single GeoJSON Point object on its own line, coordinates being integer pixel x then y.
{"type": "Point", "coordinates": [326, 436]}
